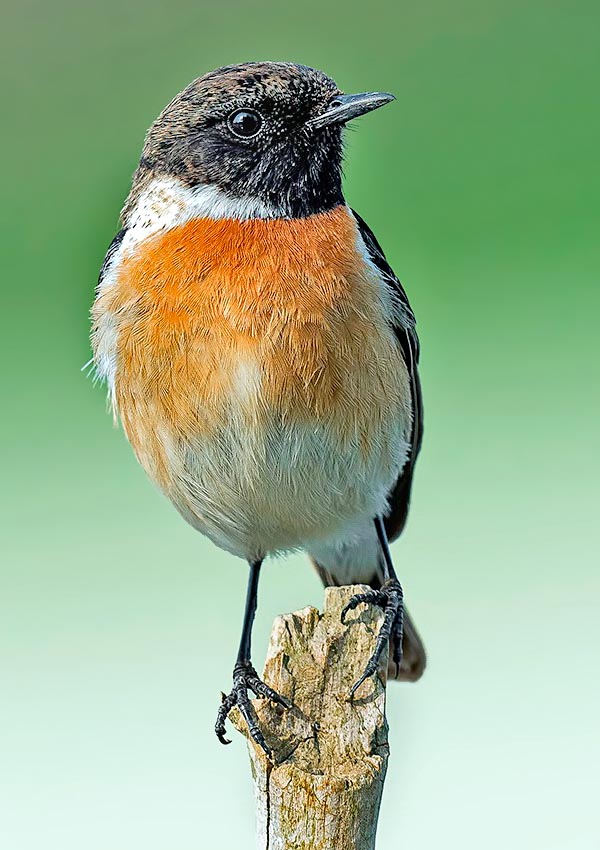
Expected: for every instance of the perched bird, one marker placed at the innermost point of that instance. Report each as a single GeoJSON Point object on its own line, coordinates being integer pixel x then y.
{"type": "Point", "coordinates": [257, 347]}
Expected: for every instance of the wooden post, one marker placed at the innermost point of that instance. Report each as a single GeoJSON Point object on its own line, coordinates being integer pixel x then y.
{"type": "Point", "coordinates": [322, 789]}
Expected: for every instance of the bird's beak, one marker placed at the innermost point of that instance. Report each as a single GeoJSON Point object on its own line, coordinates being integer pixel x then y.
{"type": "Point", "coordinates": [344, 107]}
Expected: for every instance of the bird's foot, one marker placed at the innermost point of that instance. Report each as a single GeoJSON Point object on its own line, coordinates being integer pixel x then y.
{"type": "Point", "coordinates": [390, 598]}
{"type": "Point", "coordinates": [245, 678]}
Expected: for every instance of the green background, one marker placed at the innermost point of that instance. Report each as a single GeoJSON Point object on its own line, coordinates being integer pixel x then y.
{"type": "Point", "coordinates": [482, 183]}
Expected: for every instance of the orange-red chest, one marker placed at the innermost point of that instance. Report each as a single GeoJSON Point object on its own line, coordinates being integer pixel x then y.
{"type": "Point", "coordinates": [216, 321]}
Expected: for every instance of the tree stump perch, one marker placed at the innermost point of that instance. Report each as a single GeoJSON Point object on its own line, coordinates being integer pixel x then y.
{"type": "Point", "coordinates": [322, 788]}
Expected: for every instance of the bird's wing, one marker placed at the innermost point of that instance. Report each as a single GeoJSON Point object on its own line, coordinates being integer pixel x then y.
{"type": "Point", "coordinates": [409, 343]}
{"type": "Point", "coordinates": [112, 250]}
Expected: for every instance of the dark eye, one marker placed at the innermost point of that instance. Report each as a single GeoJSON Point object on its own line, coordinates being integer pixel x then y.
{"type": "Point", "coordinates": [245, 123]}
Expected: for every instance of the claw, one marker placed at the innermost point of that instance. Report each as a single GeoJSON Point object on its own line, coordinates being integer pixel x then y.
{"type": "Point", "coordinates": [261, 689]}
{"type": "Point", "coordinates": [357, 684]}
{"type": "Point", "coordinates": [222, 738]}
{"type": "Point", "coordinates": [390, 598]}
{"type": "Point", "coordinates": [370, 597]}
{"type": "Point", "coordinates": [245, 678]}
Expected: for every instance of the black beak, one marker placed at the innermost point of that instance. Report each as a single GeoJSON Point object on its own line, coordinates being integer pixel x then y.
{"type": "Point", "coordinates": [344, 107]}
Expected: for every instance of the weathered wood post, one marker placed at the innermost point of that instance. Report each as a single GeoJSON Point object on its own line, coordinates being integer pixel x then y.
{"type": "Point", "coordinates": [322, 790]}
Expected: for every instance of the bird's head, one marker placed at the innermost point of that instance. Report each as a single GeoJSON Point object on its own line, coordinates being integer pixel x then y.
{"type": "Point", "coordinates": [269, 132]}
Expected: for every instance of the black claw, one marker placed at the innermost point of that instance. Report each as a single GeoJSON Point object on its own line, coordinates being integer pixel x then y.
{"type": "Point", "coordinates": [357, 684]}
{"type": "Point", "coordinates": [390, 598]}
{"type": "Point", "coordinates": [249, 715]}
{"type": "Point", "coordinates": [398, 631]}
{"type": "Point", "coordinates": [371, 597]}
{"type": "Point", "coordinates": [263, 690]}
{"type": "Point", "coordinates": [245, 678]}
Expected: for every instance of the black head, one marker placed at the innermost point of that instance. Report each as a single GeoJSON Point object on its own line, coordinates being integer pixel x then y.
{"type": "Point", "coordinates": [271, 131]}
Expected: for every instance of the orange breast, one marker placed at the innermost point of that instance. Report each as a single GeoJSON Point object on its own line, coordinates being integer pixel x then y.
{"type": "Point", "coordinates": [193, 306]}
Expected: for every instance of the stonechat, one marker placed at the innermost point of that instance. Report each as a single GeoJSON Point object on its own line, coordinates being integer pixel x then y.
{"type": "Point", "coordinates": [258, 349]}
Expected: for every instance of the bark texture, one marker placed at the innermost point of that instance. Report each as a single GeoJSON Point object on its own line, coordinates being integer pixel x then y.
{"type": "Point", "coordinates": [322, 789]}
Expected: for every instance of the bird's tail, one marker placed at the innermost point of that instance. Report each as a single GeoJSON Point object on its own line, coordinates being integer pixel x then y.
{"type": "Point", "coordinates": [414, 657]}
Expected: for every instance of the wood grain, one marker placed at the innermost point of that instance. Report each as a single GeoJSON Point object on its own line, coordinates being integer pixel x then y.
{"type": "Point", "coordinates": [322, 790]}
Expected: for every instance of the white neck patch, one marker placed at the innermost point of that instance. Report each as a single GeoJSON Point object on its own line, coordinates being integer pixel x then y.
{"type": "Point", "coordinates": [166, 203]}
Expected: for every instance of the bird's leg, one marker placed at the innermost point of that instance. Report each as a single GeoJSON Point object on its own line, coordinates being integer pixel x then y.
{"type": "Point", "coordinates": [245, 677]}
{"type": "Point", "coordinates": [391, 599]}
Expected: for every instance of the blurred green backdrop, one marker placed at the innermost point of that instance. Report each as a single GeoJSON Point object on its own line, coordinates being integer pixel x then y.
{"type": "Point", "coordinates": [482, 183]}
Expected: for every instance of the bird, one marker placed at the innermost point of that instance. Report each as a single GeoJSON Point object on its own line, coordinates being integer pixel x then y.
{"type": "Point", "coordinates": [259, 351]}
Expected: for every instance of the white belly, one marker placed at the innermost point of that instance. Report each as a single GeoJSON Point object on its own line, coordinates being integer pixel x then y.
{"type": "Point", "coordinates": [258, 491]}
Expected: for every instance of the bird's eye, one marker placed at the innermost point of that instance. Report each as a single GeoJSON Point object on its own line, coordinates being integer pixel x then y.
{"type": "Point", "coordinates": [245, 123]}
